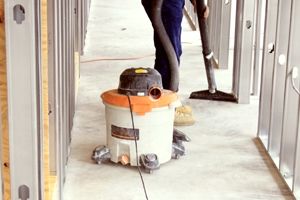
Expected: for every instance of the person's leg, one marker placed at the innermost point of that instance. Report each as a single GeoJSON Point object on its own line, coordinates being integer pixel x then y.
{"type": "Point", "coordinates": [172, 14]}
{"type": "Point", "coordinates": [172, 17]}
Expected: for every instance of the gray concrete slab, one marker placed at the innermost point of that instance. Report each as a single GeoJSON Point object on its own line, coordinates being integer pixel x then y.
{"type": "Point", "coordinates": [223, 161]}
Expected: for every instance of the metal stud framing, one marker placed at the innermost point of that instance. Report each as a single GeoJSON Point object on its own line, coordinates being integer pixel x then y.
{"type": "Point", "coordinates": [225, 24]}
{"type": "Point", "coordinates": [66, 33]}
{"type": "Point", "coordinates": [66, 36]}
{"type": "Point", "coordinates": [24, 98]}
{"type": "Point", "coordinates": [280, 103]}
{"type": "Point", "coordinates": [243, 49]}
{"type": "Point", "coordinates": [267, 71]}
{"type": "Point", "coordinates": [289, 156]}
{"type": "Point", "coordinates": [51, 88]}
{"type": "Point", "coordinates": [279, 76]}
{"type": "Point", "coordinates": [214, 23]}
{"type": "Point", "coordinates": [258, 44]}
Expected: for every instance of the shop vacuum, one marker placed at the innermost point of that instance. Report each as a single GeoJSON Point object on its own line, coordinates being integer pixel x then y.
{"type": "Point", "coordinates": [139, 122]}
{"type": "Point", "coordinates": [140, 113]}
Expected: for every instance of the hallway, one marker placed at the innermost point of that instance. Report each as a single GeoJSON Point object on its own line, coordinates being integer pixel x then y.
{"type": "Point", "coordinates": [224, 159]}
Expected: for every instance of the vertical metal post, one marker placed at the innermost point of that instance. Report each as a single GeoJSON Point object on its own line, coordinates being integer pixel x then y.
{"type": "Point", "coordinates": [24, 98]}
{"type": "Point", "coordinates": [80, 48]}
{"type": "Point", "coordinates": [225, 33]}
{"type": "Point", "coordinates": [260, 15]}
{"type": "Point", "coordinates": [219, 22]}
{"type": "Point", "coordinates": [63, 93]}
{"type": "Point", "coordinates": [289, 132]}
{"type": "Point", "coordinates": [279, 76]}
{"type": "Point", "coordinates": [63, 39]}
{"type": "Point", "coordinates": [83, 6]}
{"type": "Point", "coordinates": [67, 77]}
{"type": "Point", "coordinates": [216, 23]}
{"type": "Point", "coordinates": [58, 51]}
{"type": "Point", "coordinates": [84, 19]}
{"type": "Point", "coordinates": [279, 121]}
{"type": "Point", "coordinates": [296, 187]}
{"type": "Point", "coordinates": [243, 50]}
{"type": "Point", "coordinates": [213, 24]}
{"type": "Point", "coordinates": [267, 71]}
{"type": "Point", "coordinates": [72, 71]}
{"type": "Point", "coordinates": [76, 24]}
{"type": "Point", "coordinates": [51, 86]}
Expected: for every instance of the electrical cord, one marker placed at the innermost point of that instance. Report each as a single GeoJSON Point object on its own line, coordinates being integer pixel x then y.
{"type": "Point", "coordinates": [102, 58]}
{"type": "Point", "coordinates": [294, 76]}
{"type": "Point", "coordinates": [136, 147]}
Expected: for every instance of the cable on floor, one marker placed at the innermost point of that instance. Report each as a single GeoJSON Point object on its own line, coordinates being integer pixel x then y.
{"type": "Point", "coordinates": [116, 58]}
{"type": "Point", "coordinates": [136, 147]}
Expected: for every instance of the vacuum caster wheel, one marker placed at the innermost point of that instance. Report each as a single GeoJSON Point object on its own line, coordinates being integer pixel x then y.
{"type": "Point", "coordinates": [178, 150]}
{"type": "Point", "coordinates": [101, 154]}
{"type": "Point", "coordinates": [149, 162]}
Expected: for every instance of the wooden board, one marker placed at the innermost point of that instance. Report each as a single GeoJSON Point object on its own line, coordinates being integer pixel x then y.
{"type": "Point", "coordinates": [3, 104]}
{"type": "Point", "coordinates": [48, 184]}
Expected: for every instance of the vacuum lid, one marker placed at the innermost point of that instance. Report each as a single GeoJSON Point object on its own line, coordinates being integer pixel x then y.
{"type": "Point", "coordinates": [140, 82]}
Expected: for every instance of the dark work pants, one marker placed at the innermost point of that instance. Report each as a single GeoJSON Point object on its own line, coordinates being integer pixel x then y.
{"type": "Point", "coordinates": [172, 14]}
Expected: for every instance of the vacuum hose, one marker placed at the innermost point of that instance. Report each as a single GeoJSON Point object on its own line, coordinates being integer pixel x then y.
{"type": "Point", "coordinates": [212, 93]}
{"type": "Point", "coordinates": [167, 44]}
{"type": "Point", "coordinates": [207, 53]}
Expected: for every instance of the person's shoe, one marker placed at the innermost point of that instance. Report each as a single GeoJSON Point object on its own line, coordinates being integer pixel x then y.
{"type": "Point", "coordinates": [183, 116]}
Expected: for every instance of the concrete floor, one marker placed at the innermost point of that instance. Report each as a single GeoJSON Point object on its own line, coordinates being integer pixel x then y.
{"type": "Point", "coordinates": [224, 159]}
